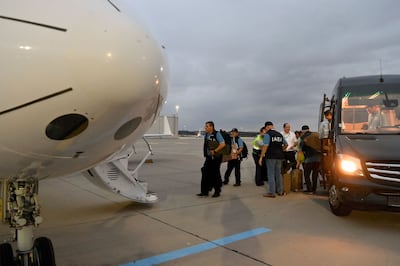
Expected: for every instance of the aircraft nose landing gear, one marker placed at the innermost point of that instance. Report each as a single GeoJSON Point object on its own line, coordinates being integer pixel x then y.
{"type": "Point", "coordinates": [42, 254]}
{"type": "Point", "coordinates": [22, 211]}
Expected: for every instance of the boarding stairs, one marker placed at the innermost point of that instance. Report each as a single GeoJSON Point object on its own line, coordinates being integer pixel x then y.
{"type": "Point", "coordinates": [115, 175]}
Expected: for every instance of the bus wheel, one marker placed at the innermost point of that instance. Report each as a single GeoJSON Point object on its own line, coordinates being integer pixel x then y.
{"type": "Point", "coordinates": [337, 207]}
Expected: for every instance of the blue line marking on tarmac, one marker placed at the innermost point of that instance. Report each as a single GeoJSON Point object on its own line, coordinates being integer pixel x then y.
{"type": "Point", "coordinates": [197, 248]}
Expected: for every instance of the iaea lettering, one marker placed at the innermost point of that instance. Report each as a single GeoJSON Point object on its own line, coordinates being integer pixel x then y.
{"type": "Point", "coordinates": [276, 139]}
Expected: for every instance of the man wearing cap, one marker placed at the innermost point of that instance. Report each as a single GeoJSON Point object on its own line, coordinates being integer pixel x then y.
{"type": "Point", "coordinates": [234, 162]}
{"type": "Point", "coordinates": [211, 175]}
{"type": "Point", "coordinates": [274, 145]}
{"type": "Point", "coordinates": [312, 158]}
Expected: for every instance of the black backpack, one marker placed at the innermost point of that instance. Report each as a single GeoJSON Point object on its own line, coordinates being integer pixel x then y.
{"type": "Point", "coordinates": [245, 151]}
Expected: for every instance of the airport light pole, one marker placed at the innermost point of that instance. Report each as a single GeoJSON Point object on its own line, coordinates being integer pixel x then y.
{"type": "Point", "coordinates": [176, 120]}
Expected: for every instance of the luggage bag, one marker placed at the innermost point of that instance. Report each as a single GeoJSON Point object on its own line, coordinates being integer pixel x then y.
{"type": "Point", "coordinates": [287, 180]}
{"type": "Point", "coordinates": [297, 180]}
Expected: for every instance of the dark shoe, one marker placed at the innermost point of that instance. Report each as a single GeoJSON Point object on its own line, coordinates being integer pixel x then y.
{"type": "Point", "coordinates": [308, 192]}
{"type": "Point", "coordinates": [259, 184]}
{"type": "Point", "coordinates": [282, 194]}
{"type": "Point", "coordinates": [202, 195]}
{"type": "Point", "coordinates": [216, 195]}
{"type": "Point", "coordinates": [225, 182]}
{"type": "Point", "coordinates": [236, 185]}
{"type": "Point", "coordinates": [269, 195]}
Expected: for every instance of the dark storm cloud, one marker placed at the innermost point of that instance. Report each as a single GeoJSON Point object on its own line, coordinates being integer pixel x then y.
{"type": "Point", "coordinates": [241, 63]}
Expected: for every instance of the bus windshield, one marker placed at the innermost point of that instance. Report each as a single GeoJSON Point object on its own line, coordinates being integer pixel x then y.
{"type": "Point", "coordinates": [370, 110]}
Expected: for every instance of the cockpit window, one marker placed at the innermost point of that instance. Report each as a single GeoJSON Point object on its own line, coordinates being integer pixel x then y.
{"type": "Point", "coordinates": [370, 110]}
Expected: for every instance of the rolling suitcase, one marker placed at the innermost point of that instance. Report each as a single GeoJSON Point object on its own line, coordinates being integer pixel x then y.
{"type": "Point", "coordinates": [297, 180]}
{"type": "Point", "coordinates": [287, 180]}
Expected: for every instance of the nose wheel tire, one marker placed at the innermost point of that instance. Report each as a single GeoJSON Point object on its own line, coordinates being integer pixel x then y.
{"type": "Point", "coordinates": [337, 207]}
{"type": "Point", "coordinates": [43, 252]}
{"type": "Point", "coordinates": [6, 255]}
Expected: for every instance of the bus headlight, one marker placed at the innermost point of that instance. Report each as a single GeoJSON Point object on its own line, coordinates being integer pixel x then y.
{"type": "Point", "coordinates": [349, 165]}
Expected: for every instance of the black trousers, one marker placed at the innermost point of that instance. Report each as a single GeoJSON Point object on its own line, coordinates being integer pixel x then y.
{"type": "Point", "coordinates": [233, 164]}
{"type": "Point", "coordinates": [289, 162]}
{"type": "Point", "coordinates": [311, 169]}
{"type": "Point", "coordinates": [211, 175]}
{"type": "Point", "coordinates": [261, 171]}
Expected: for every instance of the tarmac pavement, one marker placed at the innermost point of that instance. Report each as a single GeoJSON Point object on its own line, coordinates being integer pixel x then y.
{"type": "Point", "coordinates": [90, 226]}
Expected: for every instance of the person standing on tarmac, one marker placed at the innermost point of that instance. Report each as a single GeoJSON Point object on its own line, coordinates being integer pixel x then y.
{"type": "Point", "coordinates": [261, 170]}
{"type": "Point", "coordinates": [211, 174]}
{"type": "Point", "coordinates": [290, 152]}
{"type": "Point", "coordinates": [312, 159]}
{"type": "Point", "coordinates": [234, 162]}
{"type": "Point", "coordinates": [274, 144]}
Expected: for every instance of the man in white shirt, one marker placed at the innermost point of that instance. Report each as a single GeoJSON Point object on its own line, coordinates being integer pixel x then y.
{"type": "Point", "coordinates": [374, 116]}
{"type": "Point", "coordinates": [290, 151]}
{"type": "Point", "coordinates": [325, 126]}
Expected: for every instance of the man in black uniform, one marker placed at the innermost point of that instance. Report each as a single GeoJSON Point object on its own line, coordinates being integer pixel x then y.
{"type": "Point", "coordinates": [211, 175]}
{"type": "Point", "coordinates": [274, 145]}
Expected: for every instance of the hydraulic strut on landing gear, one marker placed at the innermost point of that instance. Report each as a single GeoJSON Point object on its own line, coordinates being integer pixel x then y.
{"type": "Point", "coordinates": [21, 210]}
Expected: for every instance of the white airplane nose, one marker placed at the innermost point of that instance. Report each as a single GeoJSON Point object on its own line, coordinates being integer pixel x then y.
{"type": "Point", "coordinates": [120, 61]}
{"type": "Point", "coordinates": [89, 46]}
{"type": "Point", "coordinates": [86, 73]}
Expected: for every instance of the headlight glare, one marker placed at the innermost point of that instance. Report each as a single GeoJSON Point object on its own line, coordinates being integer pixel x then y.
{"type": "Point", "coordinates": [350, 165]}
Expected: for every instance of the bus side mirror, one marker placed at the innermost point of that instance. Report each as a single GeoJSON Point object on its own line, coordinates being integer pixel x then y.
{"type": "Point", "coordinates": [391, 103]}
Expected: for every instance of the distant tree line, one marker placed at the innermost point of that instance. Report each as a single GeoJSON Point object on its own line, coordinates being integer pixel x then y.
{"type": "Point", "coordinates": [194, 133]}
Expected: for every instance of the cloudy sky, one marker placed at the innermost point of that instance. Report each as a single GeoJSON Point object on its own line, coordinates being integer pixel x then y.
{"type": "Point", "coordinates": [243, 62]}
